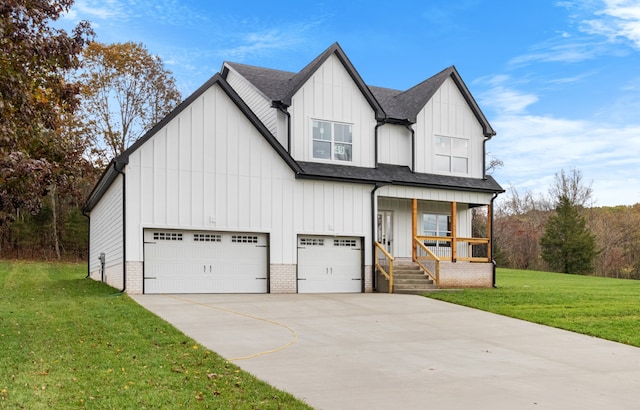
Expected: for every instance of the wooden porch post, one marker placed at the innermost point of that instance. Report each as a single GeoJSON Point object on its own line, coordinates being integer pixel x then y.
{"type": "Point", "coordinates": [414, 227]}
{"type": "Point", "coordinates": [454, 229]}
{"type": "Point", "coordinates": [489, 230]}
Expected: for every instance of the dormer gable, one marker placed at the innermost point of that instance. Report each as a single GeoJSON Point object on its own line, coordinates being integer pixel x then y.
{"type": "Point", "coordinates": [280, 86]}
{"type": "Point", "coordinates": [405, 105]}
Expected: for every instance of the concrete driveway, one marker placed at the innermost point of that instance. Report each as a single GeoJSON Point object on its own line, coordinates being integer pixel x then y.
{"type": "Point", "coordinates": [380, 351]}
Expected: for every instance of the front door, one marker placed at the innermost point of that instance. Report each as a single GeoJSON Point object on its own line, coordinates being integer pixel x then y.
{"type": "Point", "coordinates": [385, 230]}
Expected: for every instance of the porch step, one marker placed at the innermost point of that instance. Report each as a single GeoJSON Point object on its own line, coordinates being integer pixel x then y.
{"type": "Point", "coordinates": [408, 278]}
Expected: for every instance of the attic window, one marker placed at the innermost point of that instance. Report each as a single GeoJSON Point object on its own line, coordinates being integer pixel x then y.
{"type": "Point", "coordinates": [451, 155]}
{"type": "Point", "coordinates": [332, 140]}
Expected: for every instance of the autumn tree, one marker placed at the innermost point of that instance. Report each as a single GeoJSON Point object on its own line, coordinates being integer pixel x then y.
{"type": "Point", "coordinates": [34, 98]}
{"type": "Point", "coordinates": [126, 91]}
{"type": "Point", "coordinates": [519, 221]}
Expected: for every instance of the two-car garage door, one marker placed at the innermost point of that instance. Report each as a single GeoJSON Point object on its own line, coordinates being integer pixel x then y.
{"type": "Point", "coordinates": [232, 262]}
{"type": "Point", "coordinates": [204, 262]}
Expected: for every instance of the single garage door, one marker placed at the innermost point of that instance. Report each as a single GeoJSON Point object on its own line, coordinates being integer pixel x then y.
{"type": "Point", "coordinates": [329, 264]}
{"type": "Point", "coordinates": [204, 262]}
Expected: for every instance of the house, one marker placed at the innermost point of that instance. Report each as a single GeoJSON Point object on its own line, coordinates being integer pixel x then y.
{"type": "Point", "coordinates": [266, 181]}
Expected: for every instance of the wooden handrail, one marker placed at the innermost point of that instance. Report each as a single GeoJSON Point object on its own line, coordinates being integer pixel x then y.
{"type": "Point", "coordinates": [387, 255]}
{"type": "Point", "coordinates": [454, 243]}
{"type": "Point", "coordinates": [430, 256]}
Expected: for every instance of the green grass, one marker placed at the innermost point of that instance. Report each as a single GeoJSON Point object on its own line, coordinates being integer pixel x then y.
{"type": "Point", "coordinates": [69, 342]}
{"type": "Point", "coordinates": [602, 307]}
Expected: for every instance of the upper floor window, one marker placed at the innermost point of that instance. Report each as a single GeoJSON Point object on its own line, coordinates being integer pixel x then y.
{"type": "Point", "coordinates": [451, 155]}
{"type": "Point", "coordinates": [332, 140]}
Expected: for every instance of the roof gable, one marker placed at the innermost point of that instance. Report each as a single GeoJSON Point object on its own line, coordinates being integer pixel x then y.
{"type": "Point", "coordinates": [281, 86]}
{"type": "Point", "coordinates": [117, 164]}
{"type": "Point", "coordinates": [405, 105]}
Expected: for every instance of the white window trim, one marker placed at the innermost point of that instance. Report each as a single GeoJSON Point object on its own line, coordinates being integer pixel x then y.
{"type": "Point", "coordinates": [451, 156]}
{"type": "Point", "coordinates": [447, 233]}
{"type": "Point", "coordinates": [332, 159]}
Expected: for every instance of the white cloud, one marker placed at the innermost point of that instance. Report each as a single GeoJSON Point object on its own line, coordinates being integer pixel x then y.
{"type": "Point", "coordinates": [502, 97]}
{"type": "Point", "coordinates": [100, 10]}
{"type": "Point", "coordinates": [562, 49]}
{"type": "Point", "coordinates": [534, 148]}
{"type": "Point", "coordinates": [266, 39]}
{"type": "Point", "coordinates": [620, 19]}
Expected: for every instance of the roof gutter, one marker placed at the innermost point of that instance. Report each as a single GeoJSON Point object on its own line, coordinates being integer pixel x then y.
{"type": "Point", "coordinates": [373, 234]}
{"type": "Point", "coordinates": [413, 146]}
{"type": "Point", "coordinates": [493, 261]}
{"type": "Point", "coordinates": [124, 222]}
{"type": "Point", "coordinates": [375, 142]}
{"type": "Point", "coordinates": [88, 243]}
{"type": "Point", "coordinates": [283, 109]}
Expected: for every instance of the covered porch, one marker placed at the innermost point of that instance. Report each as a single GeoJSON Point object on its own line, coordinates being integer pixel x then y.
{"type": "Point", "coordinates": [448, 241]}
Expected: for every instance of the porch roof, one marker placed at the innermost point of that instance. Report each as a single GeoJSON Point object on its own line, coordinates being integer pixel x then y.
{"type": "Point", "coordinates": [396, 175]}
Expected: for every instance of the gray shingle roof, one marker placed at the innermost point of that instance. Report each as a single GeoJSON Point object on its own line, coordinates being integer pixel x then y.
{"type": "Point", "coordinates": [397, 175]}
{"type": "Point", "coordinates": [389, 104]}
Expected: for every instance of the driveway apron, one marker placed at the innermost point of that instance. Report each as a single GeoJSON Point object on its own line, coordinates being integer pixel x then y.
{"type": "Point", "coordinates": [381, 351]}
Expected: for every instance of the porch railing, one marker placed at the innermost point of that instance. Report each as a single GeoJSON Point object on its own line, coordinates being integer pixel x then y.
{"type": "Point", "coordinates": [473, 249]}
{"type": "Point", "coordinates": [384, 264]}
{"type": "Point", "coordinates": [428, 261]}
{"type": "Point", "coordinates": [457, 249]}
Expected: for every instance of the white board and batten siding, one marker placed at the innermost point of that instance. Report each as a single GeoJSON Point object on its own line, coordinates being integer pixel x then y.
{"type": "Point", "coordinates": [210, 169]}
{"type": "Point", "coordinates": [448, 114]}
{"type": "Point", "coordinates": [330, 94]}
{"type": "Point", "coordinates": [106, 229]}
{"type": "Point", "coordinates": [394, 145]}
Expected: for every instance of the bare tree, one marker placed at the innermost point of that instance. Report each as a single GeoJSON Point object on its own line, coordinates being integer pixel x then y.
{"type": "Point", "coordinates": [570, 185]}
{"type": "Point", "coordinates": [126, 91]}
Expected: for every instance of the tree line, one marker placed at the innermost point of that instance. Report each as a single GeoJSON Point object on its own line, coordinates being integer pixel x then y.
{"type": "Point", "coordinates": [68, 104]}
{"type": "Point", "coordinates": [565, 232]}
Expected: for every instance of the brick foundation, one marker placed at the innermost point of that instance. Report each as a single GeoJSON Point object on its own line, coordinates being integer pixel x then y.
{"type": "Point", "coordinates": [465, 275]}
{"type": "Point", "coordinates": [134, 277]}
{"type": "Point", "coordinates": [283, 279]}
{"type": "Point", "coordinates": [368, 279]}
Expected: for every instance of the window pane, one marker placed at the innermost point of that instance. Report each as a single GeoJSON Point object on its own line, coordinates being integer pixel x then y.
{"type": "Point", "coordinates": [460, 165]}
{"type": "Point", "coordinates": [342, 132]}
{"type": "Point", "coordinates": [342, 152]}
{"type": "Point", "coordinates": [443, 225]}
{"type": "Point", "coordinates": [321, 149]}
{"type": "Point", "coordinates": [443, 145]}
{"type": "Point", "coordinates": [430, 225]}
{"type": "Point", "coordinates": [460, 147]}
{"type": "Point", "coordinates": [442, 163]}
{"type": "Point", "coordinates": [322, 130]}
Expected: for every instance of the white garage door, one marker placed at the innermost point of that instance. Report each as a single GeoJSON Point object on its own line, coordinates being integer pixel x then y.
{"type": "Point", "coordinates": [329, 264]}
{"type": "Point", "coordinates": [204, 262]}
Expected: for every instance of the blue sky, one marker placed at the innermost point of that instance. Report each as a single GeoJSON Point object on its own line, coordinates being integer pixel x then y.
{"type": "Point", "coordinates": [558, 80]}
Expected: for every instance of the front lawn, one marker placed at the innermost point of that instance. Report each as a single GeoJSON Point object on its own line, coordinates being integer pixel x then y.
{"type": "Point", "coordinates": [69, 342]}
{"type": "Point", "coordinates": [602, 307]}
